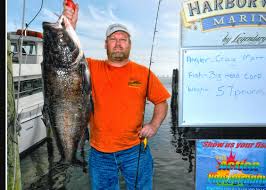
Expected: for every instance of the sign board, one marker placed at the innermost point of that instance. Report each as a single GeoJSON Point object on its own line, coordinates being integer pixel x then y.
{"type": "Point", "coordinates": [230, 165]}
{"type": "Point", "coordinates": [223, 23]}
{"type": "Point", "coordinates": [222, 87]}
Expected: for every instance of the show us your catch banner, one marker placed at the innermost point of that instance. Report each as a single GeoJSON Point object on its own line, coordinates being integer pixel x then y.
{"type": "Point", "coordinates": [231, 165]}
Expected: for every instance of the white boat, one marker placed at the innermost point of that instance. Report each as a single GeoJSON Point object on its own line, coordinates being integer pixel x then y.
{"type": "Point", "coordinates": [30, 100]}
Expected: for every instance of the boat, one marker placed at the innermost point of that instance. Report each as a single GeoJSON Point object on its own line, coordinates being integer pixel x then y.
{"type": "Point", "coordinates": [27, 79]}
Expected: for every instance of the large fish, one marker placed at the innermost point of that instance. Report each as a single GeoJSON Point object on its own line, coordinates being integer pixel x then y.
{"type": "Point", "coordinates": [67, 88]}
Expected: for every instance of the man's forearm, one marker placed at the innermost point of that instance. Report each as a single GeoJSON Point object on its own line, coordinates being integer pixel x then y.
{"type": "Point", "coordinates": [151, 128]}
{"type": "Point", "coordinates": [159, 113]}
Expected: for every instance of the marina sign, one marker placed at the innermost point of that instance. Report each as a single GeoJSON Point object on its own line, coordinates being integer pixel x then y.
{"type": "Point", "coordinates": [223, 23]}
{"type": "Point", "coordinates": [224, 13]}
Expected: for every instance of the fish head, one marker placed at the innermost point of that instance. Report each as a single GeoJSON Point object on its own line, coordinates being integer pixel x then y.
{"type": "Point", "coordinates": [60, 43]}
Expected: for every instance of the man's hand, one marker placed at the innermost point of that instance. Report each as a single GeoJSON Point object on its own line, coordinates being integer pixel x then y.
{"type": "Point", "coordinates": [148, 130]}
{"type": "Point", "coordinates": [71, 14]}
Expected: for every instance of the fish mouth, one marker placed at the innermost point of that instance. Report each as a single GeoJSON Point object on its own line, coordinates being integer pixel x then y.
{"type": "Point", "coordinates": [63, 33]}
{"type": "Point", "coordinates": [51, 25]}
{"type": "Point", "coordinates": [60, 24]}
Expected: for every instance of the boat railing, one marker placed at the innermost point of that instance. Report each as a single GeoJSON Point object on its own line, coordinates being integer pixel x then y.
{"type": "Point", "coordinates": [28, 92]}
{"type": "Point", "coordinates": [27, 58]}
{"type": "Point", "coordinates": [30, 112]}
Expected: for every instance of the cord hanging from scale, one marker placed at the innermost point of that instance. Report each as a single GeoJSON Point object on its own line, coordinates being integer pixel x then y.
{"type": "Point", "coordinates": [27, 25]}
{"type": "Point", "coordinates": [147, 88]}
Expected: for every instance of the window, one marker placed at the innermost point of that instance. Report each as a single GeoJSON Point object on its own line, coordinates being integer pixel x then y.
{"type": "Point", "coordinates": [14, 48]}
{"type": "Point", "coordinates": [37, 85]}
{"type": "Point", "coordinates": [14, 51]}
{"type": "Point", "coordinates": [28, 87]}
{"type": "Point", "coordinates": [28, 48]}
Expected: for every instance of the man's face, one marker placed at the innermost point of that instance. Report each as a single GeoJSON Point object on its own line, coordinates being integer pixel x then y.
{"type": "Point", "coordinates": [118, 46]}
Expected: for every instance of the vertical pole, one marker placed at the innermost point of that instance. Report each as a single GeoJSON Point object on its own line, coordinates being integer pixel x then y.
{"type": "Point", "coordinates": [20, 52]}
{"type": "Point", "coordinates": [16, 113]}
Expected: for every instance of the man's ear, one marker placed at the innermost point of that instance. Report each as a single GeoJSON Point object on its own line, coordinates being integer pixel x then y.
{"type": "Point", "coordinates": [105, 44]}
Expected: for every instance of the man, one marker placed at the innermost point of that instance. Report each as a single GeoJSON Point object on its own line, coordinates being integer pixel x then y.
{"type": "Point", "coordinates": [119, 88]}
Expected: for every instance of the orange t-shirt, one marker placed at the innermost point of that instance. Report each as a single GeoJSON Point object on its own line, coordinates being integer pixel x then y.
{"type": "Point", "coordinates": [118, 96]}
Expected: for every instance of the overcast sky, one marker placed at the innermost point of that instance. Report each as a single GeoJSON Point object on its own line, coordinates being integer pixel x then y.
{"type": "Point", "coordinates": [95, 16]}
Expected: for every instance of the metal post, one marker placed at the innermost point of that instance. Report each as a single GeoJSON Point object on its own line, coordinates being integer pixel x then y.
{"type": "Point", "coordinates": [15, 122]}
{"type": "Point", "coordinates": [20, 52]}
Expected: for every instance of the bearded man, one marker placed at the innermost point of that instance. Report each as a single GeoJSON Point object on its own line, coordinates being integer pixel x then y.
{"type": "Point", "coordinates": [119, 91]}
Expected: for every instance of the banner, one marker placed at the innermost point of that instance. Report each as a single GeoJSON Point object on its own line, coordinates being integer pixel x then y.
{"type": "Point", "coordinates": [223, 23]}
{"type": "Point", "coordinates": [231, 165]}
{"type": "Point", "coordinates": [230, 12]}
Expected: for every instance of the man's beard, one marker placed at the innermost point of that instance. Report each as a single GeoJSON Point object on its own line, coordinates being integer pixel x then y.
{"type": "Point", "coordinates": [118, 56]}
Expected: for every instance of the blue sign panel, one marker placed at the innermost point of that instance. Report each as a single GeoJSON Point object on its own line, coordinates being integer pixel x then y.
{"type": "Point", "coordinates": [237, 19]}
{"type": "Point", "coordinates": [231, 165]}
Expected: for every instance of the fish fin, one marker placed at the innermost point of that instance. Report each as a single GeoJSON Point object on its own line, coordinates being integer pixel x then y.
{"type": "Point", "coordinates": [86, 82]}
{"type": "Point", "coordinates": [83, 164]}
{"type": "Point", "coordinates": [46, 117]}
{"type": "Point", "coordinates": [51, 131]}
{"type": "Point", "coordinates": [87, 85]}
{"type": "Point", "coordinates": [91, 105]}
{"type": "Point", "coordinates": [84, 137]}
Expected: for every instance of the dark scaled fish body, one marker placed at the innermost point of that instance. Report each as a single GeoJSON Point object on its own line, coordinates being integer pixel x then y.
{"type": "Point", "coordinates": [67, 88]}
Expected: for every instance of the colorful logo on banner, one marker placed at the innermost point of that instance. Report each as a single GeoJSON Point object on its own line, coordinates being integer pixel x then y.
{"type": "Point", "coordinates": [232, 165]}
{"type": "Point", "coordinates": [214, 14]}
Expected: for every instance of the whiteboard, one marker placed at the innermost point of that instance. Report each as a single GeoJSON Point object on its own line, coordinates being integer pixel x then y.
{"type": "Point", "coordinates": [222, 87]}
